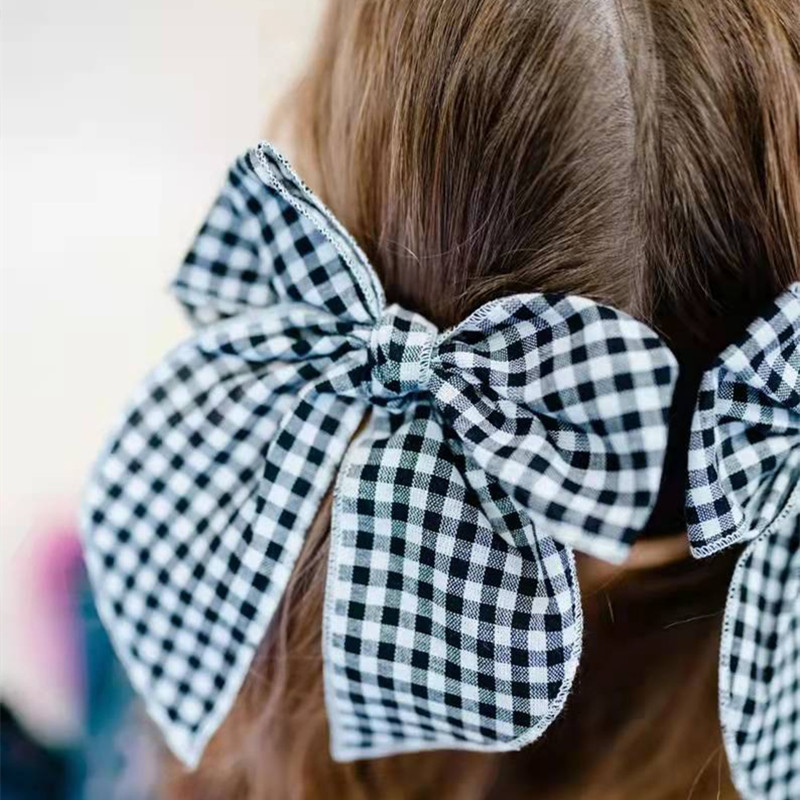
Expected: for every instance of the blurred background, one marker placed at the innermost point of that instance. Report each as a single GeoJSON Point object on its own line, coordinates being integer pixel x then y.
{"type": "Point", "coordinates": [118, 120]}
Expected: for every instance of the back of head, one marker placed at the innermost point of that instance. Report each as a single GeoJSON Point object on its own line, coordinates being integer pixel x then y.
{"type": "Point", "coordinates": [643, 153]}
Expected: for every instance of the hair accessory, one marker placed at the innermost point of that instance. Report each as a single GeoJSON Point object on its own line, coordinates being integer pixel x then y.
{"type": "Point", "coordinates": [452, 614]}
{"type": "Point", "coordinates": [744, 486]}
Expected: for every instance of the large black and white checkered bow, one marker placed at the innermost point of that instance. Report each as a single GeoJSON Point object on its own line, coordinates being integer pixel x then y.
{"type": "Point", "coordinates": [452, 616]}
{"type": "Point", "coordinates": [744, 485]}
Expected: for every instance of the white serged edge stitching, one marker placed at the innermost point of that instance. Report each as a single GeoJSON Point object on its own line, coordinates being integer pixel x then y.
{"type": "Point", "coordinates": [741, 779]}
{"type": "Point", "coordinates": [361, 270]}
{"type": "Point", "coordinates": [343, 754]}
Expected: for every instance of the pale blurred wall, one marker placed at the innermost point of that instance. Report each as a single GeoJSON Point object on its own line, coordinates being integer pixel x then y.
{"type": "Point", "coordinates": [118, 119]}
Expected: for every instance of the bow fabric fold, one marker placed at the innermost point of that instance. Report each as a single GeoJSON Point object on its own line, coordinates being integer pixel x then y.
{"type": "Point", "coordinates": [744, 454]}
{"type": "Point", "coordinates": [452, 614]}
{"type": "Point", "coordinates": [744, 486]}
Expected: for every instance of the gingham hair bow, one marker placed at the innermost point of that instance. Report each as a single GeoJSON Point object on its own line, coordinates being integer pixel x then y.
{"type": "Point", "coordinates": [744, 486]}
{"type": "Point", "coordinates": [452, 615]}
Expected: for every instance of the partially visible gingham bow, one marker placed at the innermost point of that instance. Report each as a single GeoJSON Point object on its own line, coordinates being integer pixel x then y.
{"type": "Point", "coordinates": [744, 486]}
{"type": "Point", "coordinates": [452, 614]}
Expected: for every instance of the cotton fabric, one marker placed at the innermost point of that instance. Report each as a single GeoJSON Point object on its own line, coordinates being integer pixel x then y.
{"type": "Point", "coordinates": [466, 465]}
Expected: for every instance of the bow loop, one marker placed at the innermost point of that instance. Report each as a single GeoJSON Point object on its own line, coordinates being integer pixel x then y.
{"type": "Point", "coordinates": [268, 240]}
{"type": "Point", "coordinates": [744, 454]}
{"type": "Point", "coordinates": [564, 404]}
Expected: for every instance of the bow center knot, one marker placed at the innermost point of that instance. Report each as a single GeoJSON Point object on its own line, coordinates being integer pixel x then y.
{"type": "Point", "coordinates": [400, 351]}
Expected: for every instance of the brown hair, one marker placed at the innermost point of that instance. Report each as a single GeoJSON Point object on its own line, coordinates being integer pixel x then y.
{"type": "Point", "coordinates": [645, 153]}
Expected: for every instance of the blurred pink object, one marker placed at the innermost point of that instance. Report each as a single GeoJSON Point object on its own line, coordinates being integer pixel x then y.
{"type": "Point", "coordinates": [56, 570]}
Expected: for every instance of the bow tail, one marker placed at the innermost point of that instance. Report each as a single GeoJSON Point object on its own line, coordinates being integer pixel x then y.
{"type": "Point", "coordinates": [197, 510]}
{"type": "Point", "coordinates": [760, 666]}
{"type": "Point", "coordinates": [437, 634]}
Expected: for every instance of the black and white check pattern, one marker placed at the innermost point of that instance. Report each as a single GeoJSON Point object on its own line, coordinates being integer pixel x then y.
{"type": "Point", "coordinates": [744, 485]}
{"type": "Point", "coordinates": [440, 634]}
{"type": "Point", "coordinates": [452, 612]}
{"type": "Point", "coordinates": [760, 666]}
{"type": "Point", "coordinates": [747, 423]}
